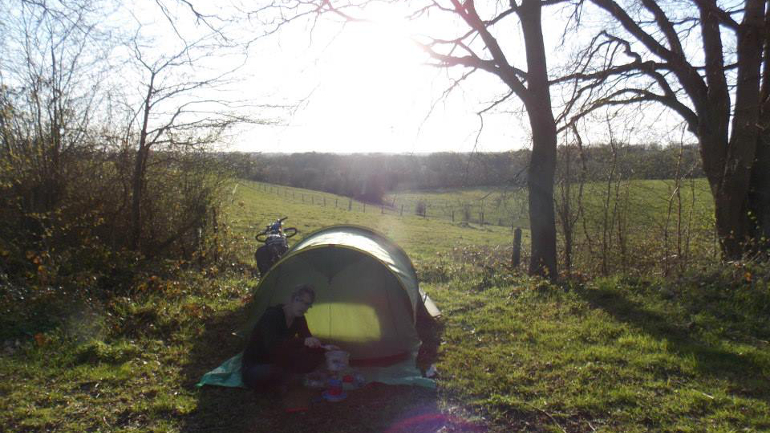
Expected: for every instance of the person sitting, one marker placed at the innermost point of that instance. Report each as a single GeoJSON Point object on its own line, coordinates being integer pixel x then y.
{"type": "Point", "coordinates": [281, 347]}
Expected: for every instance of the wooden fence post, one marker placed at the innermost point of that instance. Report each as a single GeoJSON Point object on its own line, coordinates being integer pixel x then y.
{"type": "Point", "coordinates": [516, 257]}
{"type": "Point", "coordinates": [382, 209]}
{"type": "Point", "coordinates": [335, 203]}
{"type": "Point", "coordinates": [402, 210]}
{"type": "Point", "coordinates": [364, 207]}
{"type": "Point", "coordinates": [482, 218]}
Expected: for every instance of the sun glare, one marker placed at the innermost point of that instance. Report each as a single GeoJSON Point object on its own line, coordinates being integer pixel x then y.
{"type": "Point", "coordinates": [369, 92]}
{"type": "Point", "coordinates": [365, 87]}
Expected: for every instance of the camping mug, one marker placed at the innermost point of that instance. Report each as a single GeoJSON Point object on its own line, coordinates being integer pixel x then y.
{"type": "Point", "coordinates": [337, 360]}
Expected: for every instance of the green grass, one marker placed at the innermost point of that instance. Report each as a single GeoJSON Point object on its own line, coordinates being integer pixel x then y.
{"type": "Point", "coordinates": [252, 209]}
{"type": "Point", "coordinates": [610, 354]}
{"type": "Point", "coordinates": [633, 226]}
{"type": "Point", "coordinates": [620, 354]}
{"type": "Point", "coordinates": [504, 206]}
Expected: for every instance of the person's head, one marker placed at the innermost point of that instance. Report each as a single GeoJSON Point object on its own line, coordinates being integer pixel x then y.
{"type": "Point", "coordinates": [302, 299]}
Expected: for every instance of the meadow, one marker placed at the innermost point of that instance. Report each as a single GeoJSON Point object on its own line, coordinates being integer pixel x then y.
{"type": "Point", "coordinates": [253, 208]}
{"type": "Point", "coordinates": [508, 206]}
{"type": "Point", "coordinates": [638, 226]}
{"type": "Point", "coordinates": [629, 352]}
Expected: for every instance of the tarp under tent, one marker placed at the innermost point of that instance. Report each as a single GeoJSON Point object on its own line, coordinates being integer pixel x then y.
{"type": "Point", "coordinates": [368, 303]}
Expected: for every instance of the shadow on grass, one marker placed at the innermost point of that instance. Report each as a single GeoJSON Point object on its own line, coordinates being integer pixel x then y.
{"type": "Point", "coordinates": [375, 408]}
{"type": "Point", "coordinates": [712, 359]}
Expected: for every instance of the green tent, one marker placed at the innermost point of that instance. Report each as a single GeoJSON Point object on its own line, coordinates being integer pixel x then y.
{"type": "Point", "coordinates": [367, 302]}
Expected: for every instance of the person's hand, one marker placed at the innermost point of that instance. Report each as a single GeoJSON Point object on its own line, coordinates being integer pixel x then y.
{"type": "Point", "coordinates": [312, 342]}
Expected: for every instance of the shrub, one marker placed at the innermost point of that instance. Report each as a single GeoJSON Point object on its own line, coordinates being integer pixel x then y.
{"type": "Point", "coordinates": [421, 208]}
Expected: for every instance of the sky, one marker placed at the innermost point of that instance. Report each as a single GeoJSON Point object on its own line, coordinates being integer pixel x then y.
{"type": "Point", "coordinates": [368, 88]}
{"type": "Point", "coordinates": [358, 88]}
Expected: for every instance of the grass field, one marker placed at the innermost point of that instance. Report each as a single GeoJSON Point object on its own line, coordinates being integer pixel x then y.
{"type": "Point", "coordinates": [629, 226]}
{"type": "Point", "coordinates": [615, 354]}
{"type": "Point", "coordinates": [508, 207]}
{"type": "Point", "coordinates": [422, 238]}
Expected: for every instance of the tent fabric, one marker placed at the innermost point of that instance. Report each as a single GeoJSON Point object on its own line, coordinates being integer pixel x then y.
{"type": "Point", "coordinates": [367, 301]}
{"type": "Point", "coordinates": [361, 239]}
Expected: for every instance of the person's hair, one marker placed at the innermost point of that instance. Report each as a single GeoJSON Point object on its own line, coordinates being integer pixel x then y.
{"type": "Point", "coordinates": [303, 289]}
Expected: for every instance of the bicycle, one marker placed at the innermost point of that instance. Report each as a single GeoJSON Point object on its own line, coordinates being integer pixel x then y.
{"type": "Point", "coordinates": [275, 239]}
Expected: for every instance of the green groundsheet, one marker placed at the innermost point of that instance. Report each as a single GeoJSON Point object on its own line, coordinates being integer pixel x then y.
{"type": "Point", "coordinates": [402, 373]}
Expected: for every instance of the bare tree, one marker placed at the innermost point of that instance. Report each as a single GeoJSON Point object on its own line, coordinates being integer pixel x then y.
{"type": "Point", "coordinates": [569, 208]}
{"type": "Point", "coordinates": [102, 137]}
{"type": "Point", "coordinates": [675, 54]}
{"type": "Point", "coordinates": [477, 47]}
{"type": "Point", "coordinates": [49, 74]}
{"type": "Point", "coordinates": [177, 107]}
{"type": "Point", "coordinates": [533, 89]}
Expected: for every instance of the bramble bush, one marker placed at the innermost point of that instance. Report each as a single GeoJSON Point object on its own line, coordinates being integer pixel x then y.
{"type": "Point", "coordinates": [65, 231]}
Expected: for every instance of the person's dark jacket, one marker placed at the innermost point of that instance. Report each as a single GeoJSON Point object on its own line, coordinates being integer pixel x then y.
{"type": "Point", "coordinates": [272, 342]}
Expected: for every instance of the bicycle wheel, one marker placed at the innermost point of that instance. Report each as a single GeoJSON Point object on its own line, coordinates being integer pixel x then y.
{"type": "Point", "coordinates": [261, 237]}
{"type": "Point", "coordinates": [290, 231]}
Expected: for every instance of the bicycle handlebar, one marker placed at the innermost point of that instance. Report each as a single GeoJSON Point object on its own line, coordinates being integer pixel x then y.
{"type": "Point", "coordinates": [276, 228]}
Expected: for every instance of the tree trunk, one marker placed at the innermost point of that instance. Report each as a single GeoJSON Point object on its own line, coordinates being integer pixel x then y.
{"type": "Point", "coordinates": [541, 212]}
{"type": "Point", "coordinates": [731, 183]}
{"type": "Point", "coordinates": [566, 210]}
{"type": "Point", "coordinates": [759, 198]}
{"type": "Point", "coordinates": [542, 166]}
{"type": "Point", "coordinates": [759, 184]}
{"type": "Point", "coordinates": [137, 185]}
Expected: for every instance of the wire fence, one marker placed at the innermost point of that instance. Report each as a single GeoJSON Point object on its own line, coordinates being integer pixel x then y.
{"type": "Point", "coordinates": [649, 224]}
{"type": "Point", "coordinates": [502, 209]}
{"type": "Point", "coordinates": [505, 208]}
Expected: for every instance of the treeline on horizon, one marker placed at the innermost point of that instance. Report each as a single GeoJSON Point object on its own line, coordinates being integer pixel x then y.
{"type": "Point", "coordinates": [368, 177]}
